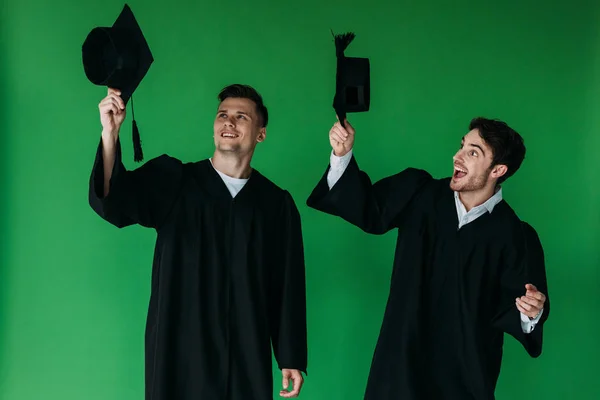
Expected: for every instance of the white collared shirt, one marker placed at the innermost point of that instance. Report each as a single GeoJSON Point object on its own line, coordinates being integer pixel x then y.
{"type": "Point", "coordinates": [465, 217]}
{"type": "Point", "coordinates": [338, 166]}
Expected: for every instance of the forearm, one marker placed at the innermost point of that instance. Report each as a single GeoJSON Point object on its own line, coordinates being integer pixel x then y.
{"type": "Point", "coordinates": [109, 149]}
{"type": "Point", "coordinates": [337, 168]}
{"type": "Point", "coordinates": [290, 331]}
{"type": "Point", "coordinates": [348, 192]}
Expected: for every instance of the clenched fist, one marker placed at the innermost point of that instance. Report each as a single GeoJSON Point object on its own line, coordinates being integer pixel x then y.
{"type": "Point", "coordinates": [341, 139]}
{"type": "Point", "coordinates": [112, 113]}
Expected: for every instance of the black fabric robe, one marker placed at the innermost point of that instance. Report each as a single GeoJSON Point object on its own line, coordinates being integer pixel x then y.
{"type": "Point", "coordinates": [452, 293]}
{"type": "Point", "coordinates": [228, 277]}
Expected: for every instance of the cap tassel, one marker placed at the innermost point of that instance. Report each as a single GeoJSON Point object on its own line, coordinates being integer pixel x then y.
{"type": "Point", "coordinates": [138, 155]}
{"type": "Point", "coordinates": [341, 43]}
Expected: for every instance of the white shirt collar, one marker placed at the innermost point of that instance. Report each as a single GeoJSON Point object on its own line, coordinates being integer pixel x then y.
{"type": "Point", "coordinates": [488, 205]}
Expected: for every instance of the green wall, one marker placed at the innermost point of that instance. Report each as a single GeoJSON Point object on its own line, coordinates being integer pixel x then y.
{"type": "Point", "coordinates": [74, 290]}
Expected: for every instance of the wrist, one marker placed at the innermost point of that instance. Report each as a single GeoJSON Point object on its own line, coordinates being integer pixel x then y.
{"type": "Point", "coordinates": [109, 137]}
{"type": "Point", "coordinates": [341, 153]}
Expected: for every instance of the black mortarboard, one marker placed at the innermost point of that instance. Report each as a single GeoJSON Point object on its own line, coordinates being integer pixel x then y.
{"type": "Point", "coordinates": [353, 87]}
{"type": "Point", "coordinates": [119, 57]}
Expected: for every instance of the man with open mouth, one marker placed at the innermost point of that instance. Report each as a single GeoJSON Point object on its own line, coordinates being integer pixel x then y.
{"type": "Point", "coordinates": [466, 271]}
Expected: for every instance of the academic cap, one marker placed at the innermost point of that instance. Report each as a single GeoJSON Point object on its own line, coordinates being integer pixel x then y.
{"type": "Point", "coordinates": [119, 57]}
{"type": "Point", "coordinates": [353, 87]}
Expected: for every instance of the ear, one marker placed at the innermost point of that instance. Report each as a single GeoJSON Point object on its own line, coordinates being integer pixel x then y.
{"type": "Point", "coordinates": [498, 171]}
{"type": "Point", "coordinates": [262, 134]}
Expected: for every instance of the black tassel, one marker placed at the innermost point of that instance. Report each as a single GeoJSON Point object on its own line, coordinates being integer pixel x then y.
{"type": "Point", "coordinates": [138, 155]}
{"type": "Point", "coordinates": [342, 41]}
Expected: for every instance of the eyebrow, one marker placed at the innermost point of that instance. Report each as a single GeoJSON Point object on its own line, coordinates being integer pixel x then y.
{"type": "Point", "coordinates": [479, 147]}
{"type": "Point", "coordinates": [462, 142]}
{"type": "Point", "coordinates": [221, 110]}
{"type": "Point", "coordinates": [473, 145]}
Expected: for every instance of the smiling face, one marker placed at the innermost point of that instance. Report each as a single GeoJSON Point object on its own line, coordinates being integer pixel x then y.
{"type": "Point", "coordinates": [473, 170]}
{"type": "Point", "coordinates": [237, 126]}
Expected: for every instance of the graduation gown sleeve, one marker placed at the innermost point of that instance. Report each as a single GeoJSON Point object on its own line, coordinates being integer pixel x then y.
{"type": "Point", "coordinates": [527, 267]}
{"type": "Point", "coordinates": [288, 302]}
{"type": "Point", "coordinates": [142, 196]}
{"type": "Point", "coordinates": [373, 207]}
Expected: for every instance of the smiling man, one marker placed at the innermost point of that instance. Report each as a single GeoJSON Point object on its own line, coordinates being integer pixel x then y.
{"type": "Point", "coordinates": [467, 270]}
{"type": "Point", "coordinates": [228, 275]}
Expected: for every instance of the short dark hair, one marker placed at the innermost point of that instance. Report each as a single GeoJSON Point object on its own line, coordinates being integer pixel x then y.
{"type": "Point", "coordinates": [247, 92]}
{"type": "Point", "coordinates": [508, 147]}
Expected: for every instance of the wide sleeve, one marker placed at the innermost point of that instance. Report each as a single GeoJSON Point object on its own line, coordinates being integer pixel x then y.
{"type": "Point", "coordinates": [373, 207]}
{"type": "Point", "coordinates": [288, 292]}
{"type": "Point", "coordinates": [527, 267]}
{"type": "Point", "coordinates": [142, 196]}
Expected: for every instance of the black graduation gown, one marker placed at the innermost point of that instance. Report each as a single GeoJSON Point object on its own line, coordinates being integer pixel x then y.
{"type": "Point", "coordinates": [228, 277]}
{"type": "Point", "coordinates": [452, 293]}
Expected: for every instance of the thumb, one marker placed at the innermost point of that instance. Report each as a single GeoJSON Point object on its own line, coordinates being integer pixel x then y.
{"type": "Point", "coordinates": [285, 380]}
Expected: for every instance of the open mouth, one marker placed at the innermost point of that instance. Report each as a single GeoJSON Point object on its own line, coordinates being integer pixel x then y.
{"type": "Point", "coordinates": [229, 135]}
{"type": "Point", "coordinates": [459, 172]}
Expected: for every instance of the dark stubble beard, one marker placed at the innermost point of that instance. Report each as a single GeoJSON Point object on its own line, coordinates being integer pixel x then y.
{"type": "Point", "coordinates": [474, 183]}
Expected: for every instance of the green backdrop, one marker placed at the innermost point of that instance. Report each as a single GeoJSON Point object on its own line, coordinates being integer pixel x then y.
{"type": "Point", "coordinates": [74, 290]}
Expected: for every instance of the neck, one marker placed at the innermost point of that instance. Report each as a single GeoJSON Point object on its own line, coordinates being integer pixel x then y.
{"type": "Point", "coordinates": [473, 199]}
{"type": "Point", "coordinates": [232, 164]}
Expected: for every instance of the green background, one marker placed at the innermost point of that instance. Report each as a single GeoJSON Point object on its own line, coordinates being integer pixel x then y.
{"type": "Point", "coordinates": [74, 290]}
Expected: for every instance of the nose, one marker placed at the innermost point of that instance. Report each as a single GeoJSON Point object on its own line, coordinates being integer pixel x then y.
{"type": "Point", "coordinates": [230, 121]}
{"type": "Point", "coordinates": [458, 156]}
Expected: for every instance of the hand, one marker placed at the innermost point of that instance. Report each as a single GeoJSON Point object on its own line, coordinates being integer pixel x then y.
{"type": "Point", "coordinates": [341, 139]}
{"type": "Point", "coordinates": [532, 303]}
{"type": "Point", "coordinates": [296, 376]}
{"type": "Point", "coordinates": [112, 113]}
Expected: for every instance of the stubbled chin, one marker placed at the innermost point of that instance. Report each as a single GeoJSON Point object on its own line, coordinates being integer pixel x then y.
{"type": "Point", "coordinates": [455, 185]}
{"type": "Point", "coordinates": [228, 146]}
